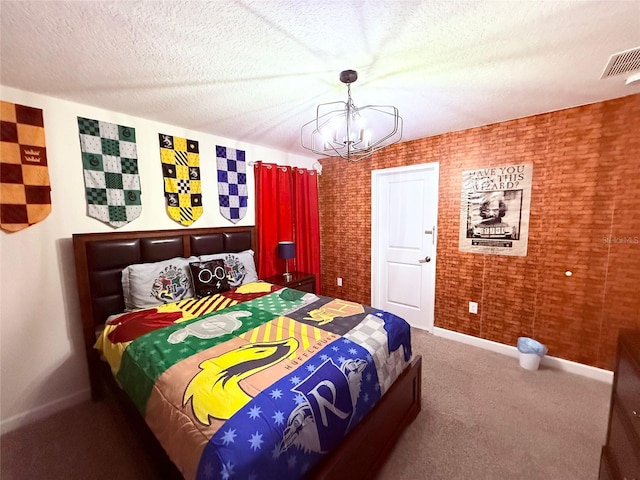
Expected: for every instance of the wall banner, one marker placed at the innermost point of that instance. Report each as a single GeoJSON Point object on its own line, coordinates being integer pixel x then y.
{"type": "Point", "coordinates": [25, 191]}
{"type": "Point", "coordinates": [232, 183]}
{"type": "Point", "coordinates": [494, 210]}
{"type": "Point", "coordinates": [110, 169]}
{"type": "Point", "coordinates": [180, 158]}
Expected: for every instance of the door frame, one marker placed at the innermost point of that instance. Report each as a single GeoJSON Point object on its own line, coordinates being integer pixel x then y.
{"type": "Point", "coordinates": [376, 254]}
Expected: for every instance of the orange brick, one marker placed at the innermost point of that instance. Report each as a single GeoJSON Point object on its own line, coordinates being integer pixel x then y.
{"type": "Point", "coordinates": [585, 214]}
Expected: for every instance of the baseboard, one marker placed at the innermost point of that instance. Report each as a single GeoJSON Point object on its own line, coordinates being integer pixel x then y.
{"type": "Point", "coordinates": [43, 411]}
{"type": "Point", "coordinates": [548, 361]}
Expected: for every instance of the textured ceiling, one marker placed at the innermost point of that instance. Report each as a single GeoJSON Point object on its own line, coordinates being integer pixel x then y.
{"type": "Point", "coordinates": [255, 70]}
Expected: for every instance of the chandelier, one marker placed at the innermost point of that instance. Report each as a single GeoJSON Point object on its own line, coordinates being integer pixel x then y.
{"type": "Point", "coordinates": [341, 129]}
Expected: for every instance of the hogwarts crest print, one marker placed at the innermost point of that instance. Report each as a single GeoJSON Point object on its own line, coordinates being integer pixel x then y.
{"type": "Point", "coordinates": [180, 159]}
{"type": "Point", "coordinates": [110, 163]}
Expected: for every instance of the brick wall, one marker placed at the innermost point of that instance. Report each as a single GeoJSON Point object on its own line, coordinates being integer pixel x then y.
{"type": "Point", "coordinates": [585, 217]}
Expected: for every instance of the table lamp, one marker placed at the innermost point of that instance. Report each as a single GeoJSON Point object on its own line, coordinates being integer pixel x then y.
{"type": "Point", "coordinates": [286, 250]}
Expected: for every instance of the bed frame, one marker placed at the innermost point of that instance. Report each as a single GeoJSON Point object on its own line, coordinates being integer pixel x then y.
{"type": "Point", "coordinates": [100, 259]}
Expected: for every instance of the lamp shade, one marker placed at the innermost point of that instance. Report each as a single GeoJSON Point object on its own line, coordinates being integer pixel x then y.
{"type": "Point", "coordinates": [286, 250]}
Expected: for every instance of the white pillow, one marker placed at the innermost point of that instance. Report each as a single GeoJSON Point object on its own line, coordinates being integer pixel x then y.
{"type": "Point", "coordinates": [241, 267]}
{"type": "Point", "coordinates": [150, 284]}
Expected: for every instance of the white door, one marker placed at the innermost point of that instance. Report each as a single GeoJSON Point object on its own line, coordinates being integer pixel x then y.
{"type": "Point", "coordinates": [403, 245]}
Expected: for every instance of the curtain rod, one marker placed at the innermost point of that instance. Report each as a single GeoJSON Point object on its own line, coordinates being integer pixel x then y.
{"type": "Point", "coordinates": [317, 166]}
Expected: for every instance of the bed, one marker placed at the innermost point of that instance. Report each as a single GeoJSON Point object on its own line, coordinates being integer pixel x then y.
{"type": "Point", "coordinates": [300, 383]}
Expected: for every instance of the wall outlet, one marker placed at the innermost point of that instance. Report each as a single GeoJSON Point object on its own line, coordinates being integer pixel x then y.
{"type": "Point", "coordinates": [473, 307]}
{"type": "Point", "coordinates": [339, 281]}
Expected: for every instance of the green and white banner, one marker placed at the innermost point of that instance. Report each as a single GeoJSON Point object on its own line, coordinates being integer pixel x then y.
{"type": "Point", "coordinates": [110, 163]}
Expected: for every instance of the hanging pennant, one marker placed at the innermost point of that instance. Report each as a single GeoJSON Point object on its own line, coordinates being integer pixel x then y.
{"type": "Point", "coordinates": [25, 191]}
{"type": "Point", "coordinates": [110, 163]}
{"type": "Point", "coordinates": [181, 171]}
{"type": "Point", "coordinates": [232, 183]}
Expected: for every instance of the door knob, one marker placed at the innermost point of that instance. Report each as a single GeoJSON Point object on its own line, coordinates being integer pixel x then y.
{"type": "Point", "coordinates": [426, 260]}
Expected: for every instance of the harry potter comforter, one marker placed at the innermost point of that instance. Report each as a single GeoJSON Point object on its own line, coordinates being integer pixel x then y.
{"type": "Point", "coordinates": [256, 382]}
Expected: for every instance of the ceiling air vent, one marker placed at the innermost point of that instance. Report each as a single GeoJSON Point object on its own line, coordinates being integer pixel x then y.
{"type": "Point", "coordinates": [622, 62]}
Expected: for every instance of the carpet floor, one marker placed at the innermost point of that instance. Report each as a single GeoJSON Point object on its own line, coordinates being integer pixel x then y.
{"type": "Point", "coordinates": [483, 417]}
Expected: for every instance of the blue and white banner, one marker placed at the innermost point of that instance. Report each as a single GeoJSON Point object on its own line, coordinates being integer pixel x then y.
{"type": "Point", "coordinates": [232, 183]}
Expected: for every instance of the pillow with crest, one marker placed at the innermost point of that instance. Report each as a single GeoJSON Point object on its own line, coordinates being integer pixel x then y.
{"type": "Point", "coordinates": [147, 285]}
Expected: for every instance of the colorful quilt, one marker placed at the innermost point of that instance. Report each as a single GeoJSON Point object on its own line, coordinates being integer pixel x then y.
{"type": "Point", "coordinates": [257, 382]}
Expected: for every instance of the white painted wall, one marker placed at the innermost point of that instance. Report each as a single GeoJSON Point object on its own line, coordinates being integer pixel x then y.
{"type": "Point", "coordinates": [42, 360]}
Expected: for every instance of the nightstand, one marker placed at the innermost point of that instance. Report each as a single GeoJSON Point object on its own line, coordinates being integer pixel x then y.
{"type": "Point", "coordinates": [299, 281]}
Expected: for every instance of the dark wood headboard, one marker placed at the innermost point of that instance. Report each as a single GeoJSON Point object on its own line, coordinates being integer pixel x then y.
{"type": "Point", "coordinates": [101, 257]}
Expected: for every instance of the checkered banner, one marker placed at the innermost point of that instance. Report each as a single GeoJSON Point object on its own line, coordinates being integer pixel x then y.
{"type": "Point", "coordinates": [110, 162]}
{"type": "Point", "coordinates": [181, 171]}
{"type": "Point", "coordinates": [25, 192]}
{"type": "Point", "coordinates": [232, 183]}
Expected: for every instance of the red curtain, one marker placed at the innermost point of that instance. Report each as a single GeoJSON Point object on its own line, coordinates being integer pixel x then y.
{"type": "Point", "coordinates": [287, 210]}
{"type": "Point", "coordinates": [274, 215]}
{"type": "Point", "coordinates": [307, 222]}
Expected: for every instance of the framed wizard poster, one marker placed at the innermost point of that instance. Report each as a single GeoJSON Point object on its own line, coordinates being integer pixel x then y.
{"type": "Point", "coordinates": [494, 210]}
